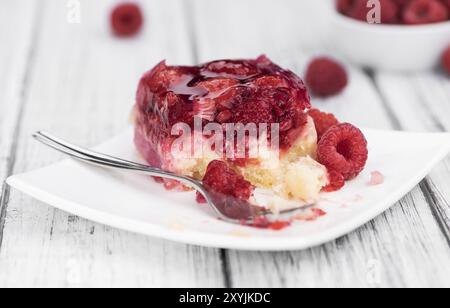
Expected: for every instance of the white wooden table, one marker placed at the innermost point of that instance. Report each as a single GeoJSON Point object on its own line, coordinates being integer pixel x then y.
{"type": "Point", "coordinates": [78, 81]}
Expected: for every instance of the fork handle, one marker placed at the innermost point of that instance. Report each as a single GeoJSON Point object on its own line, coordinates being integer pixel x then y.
{"type": "Point", "coordinates": [108, 161]}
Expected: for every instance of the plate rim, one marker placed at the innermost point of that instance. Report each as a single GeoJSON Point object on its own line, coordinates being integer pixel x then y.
{"type": "Point", "coordinates": [226, 241]}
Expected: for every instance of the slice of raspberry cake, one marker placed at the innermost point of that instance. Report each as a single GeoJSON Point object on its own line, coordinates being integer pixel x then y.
{"type": "Point", "coordinates": [235, 92]}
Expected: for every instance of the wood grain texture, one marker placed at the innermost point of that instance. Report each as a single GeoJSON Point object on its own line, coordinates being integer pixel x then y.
{"type": "Point", "coordinates": [15, 56]}
{"type": "Point", "coordinates": [403, 247]}
{"type": "Point", "coordinates": [421, 103]}
{"type": "Point", "coordinates": [82, 86]}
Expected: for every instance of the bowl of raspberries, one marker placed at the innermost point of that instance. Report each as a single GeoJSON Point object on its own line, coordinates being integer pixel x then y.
{"type": "Point", "coordinates": [394, 35]}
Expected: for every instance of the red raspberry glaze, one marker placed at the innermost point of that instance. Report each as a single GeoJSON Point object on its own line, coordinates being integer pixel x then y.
{"type": "Point", "coordinates": [326, 77]}
{"type": "Point", "coordinates": [126, 19]}
{"type": "Point", "coordinates": [238, 91]}
{"type": "Point", "coordinates": [343, 149]}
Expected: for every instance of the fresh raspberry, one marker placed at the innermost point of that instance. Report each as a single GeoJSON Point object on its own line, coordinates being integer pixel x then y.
{"type": "Point", "coordinates": [337, 181]}
{"type": "Point", "coordinates": [326, 77]}
{"type": "Point", "coordinates": [359, 10]}
{"type": "Point", "coordinates": [390, 12]}
{"type": "Point", "coordinates": [402, 3]}
{"type": "Point", "coordinates": [323, 121]}
{"type": "Point", "coordinates": [446, 3]}
{"type": "Point", "coordinates": [343, 149]}
{"type": "Point", "coordinates": [356, 9]}
{"type": "Point", "coordinates": [126, 19]}
{"type": "Point", "coordinates": [425, 12]}
{"type": "Point", "coordinates": [445, 60]}
{"type": "Point", "coordinates": [344, 6]}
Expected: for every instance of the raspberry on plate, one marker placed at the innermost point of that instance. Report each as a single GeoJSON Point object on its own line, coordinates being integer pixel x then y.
{"type": "Point", "coordinates": [425, 12]}
{"type": "Point", "coordinates": [343, 149]}
{"type": "Point", "coordinates": [126, 19]}
{"type": "Point", "coordinates": [323, 121]}
{"type": "Point", "coordinates": [326, 77]}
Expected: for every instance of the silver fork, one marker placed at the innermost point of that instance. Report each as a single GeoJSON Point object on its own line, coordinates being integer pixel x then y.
{"type": "Point", "coordinates": [108, 161]}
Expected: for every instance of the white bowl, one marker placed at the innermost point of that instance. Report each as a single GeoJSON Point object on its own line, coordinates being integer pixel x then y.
{"type": "Point", "coordinates": [389, 47]}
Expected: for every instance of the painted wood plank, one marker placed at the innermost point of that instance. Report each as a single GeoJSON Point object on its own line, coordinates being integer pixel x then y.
{"type": "Point", "coordinates": [421, 103]}
{"type": "Point", "coordinates": [82, 87]}
{"type": "Point", "coordinates": [15, 54]}
{"type": "Point", "coordinates": [13, 59]}
{"type": "Point", "coordinates": [404, 246]}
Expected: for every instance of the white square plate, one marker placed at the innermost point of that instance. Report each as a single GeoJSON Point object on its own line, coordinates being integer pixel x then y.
{"type": "Point", "coordinates": [138, 204]}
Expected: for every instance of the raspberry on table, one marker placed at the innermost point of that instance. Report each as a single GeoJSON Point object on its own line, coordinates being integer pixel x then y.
{"type": "Point", "coordinates": [326, 77]}
{"type": "Point", "coordinates": [126, 19]}
{"type": "Point", "coordinates": [337, 181]}
{"type": "Point", "coordinates": [323, 121]}
{"type": "Point", "coordinates": [343, 149]}
{"type": "Point", "coordinates": [425, 12]}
